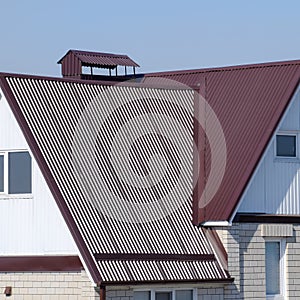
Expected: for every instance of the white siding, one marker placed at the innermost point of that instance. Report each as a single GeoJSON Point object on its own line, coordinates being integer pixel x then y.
{"type": "Point", "coordinates": [256, 193]}
{"type": "Point", "coordinates": [274, 189]}
{"type": "Point", "coordinates": [31, 225]}
{"type": "Point", "coordinates": [292, 119]}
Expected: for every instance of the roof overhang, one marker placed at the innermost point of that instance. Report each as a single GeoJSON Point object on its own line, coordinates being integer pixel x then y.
{"type": "Point", "coordinates": [170, 282]}
{"type": "Point", "coordinates": [216, 224]}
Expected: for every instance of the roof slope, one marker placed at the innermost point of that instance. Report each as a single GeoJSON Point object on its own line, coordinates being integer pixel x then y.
{"type": "Point", "coordinates": [249, 102]}
{"type": "Point", "coordinates": [169, 248]}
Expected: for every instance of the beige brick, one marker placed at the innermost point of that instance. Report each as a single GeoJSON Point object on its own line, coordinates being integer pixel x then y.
{"type": "Point", "coordinates": [48, 286]}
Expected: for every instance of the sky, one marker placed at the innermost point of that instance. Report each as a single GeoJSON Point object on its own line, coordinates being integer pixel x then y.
{"type": "Point", "coordinates": [158, 35]}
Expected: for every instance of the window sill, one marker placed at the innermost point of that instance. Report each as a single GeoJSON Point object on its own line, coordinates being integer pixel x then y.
{"type": "Point", "coordinates": [15, 196]}
{"type": "Point", "coordinates": [287, 160]}
{"type": "Point", "coordinates": [275, 297]}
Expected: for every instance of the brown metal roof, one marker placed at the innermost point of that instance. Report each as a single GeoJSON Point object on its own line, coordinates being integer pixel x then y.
{"type": "Point", "coordinates": [48, 111]}
{"type": "Point", "coordinates": [249, 101]}
{"type": "Point", "coordinates": [99, 59]}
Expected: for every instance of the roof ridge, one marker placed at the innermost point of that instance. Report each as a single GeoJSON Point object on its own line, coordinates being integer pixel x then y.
{"type": "Point", "coordinates": [59, 79]}
{"type": "Point", "coordinates": [107, 83]}
{"type": "Point", "coordinates": [227, 68]}
{"type": "Point", "coordinates": [93, 53]}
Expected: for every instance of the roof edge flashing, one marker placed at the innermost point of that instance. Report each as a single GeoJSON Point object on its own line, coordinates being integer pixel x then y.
{"type": "Point", "coordinates": [153, 283]}
{"type": "Point", "coordinates": [216, 224]}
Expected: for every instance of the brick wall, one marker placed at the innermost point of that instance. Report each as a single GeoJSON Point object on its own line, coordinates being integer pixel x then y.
{"type": "Point", "coordinates": [245, 245]}
{"type": "Point", "coordinates": [252, 262]}
{"type": "Point", "coordinates": [48, 286]}
{"type": "Point", "coordinates": [76, 286]}
{"type": "Point", "coordinates": [210, 293]}
{"type": "Point", "coordinates": [293, 264]}
{"type": "Point", "coordinates": [230, 239]}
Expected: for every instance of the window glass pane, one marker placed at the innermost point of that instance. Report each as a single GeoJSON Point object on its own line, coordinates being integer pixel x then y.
{"type": "Point", "coordinates": [141, 295]}
{"type": "Point", "coordinates": [286, 145]}
{"type": "Point", "coordinates": [163, 296]}
{"type": "Point", "coordinates": [272, 268]}
{"type": "Point", "coordinates": [184, 295]}
{"type": "Point", "coordinates": [19, 172]}
{"type": "Point", "coordinates": [1, 173]}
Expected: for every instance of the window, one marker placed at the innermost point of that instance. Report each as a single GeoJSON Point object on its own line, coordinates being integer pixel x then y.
{"type": "Point", "coordinates": [165, 294]}
{"type": "Point", "coordinates": [273, 268]}
{"type": "Point", "coordinates": [286, 145]}
{"type": "Point", "coordinates": [15, 172]}
{"type": "Point", "coordinates": [184, 294]}
{"type": "Point", "coordinates": [1, 173]}
{"type": "Point", "coordinates": [141, 295]}
{"type": "Point", "coordinates": [274, 260]}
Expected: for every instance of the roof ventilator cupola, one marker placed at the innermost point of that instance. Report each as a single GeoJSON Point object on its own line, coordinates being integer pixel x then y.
{"type": "Point", "coordinates": [73, 61]}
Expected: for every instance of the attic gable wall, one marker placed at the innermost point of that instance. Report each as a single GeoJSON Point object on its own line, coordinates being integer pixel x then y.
{"type": "Point", "coordinates": [274, 189]}
{"type": "Point", "coordinates": [29, 225]}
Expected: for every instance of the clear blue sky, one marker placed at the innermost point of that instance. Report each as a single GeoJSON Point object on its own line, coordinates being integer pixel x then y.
{"type": "Point", "coordinates": [159, 35]}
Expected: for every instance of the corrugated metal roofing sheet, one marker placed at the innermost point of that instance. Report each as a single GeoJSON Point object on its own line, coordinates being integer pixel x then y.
{"type": "Point", "coordinates": [249, 102]}
{"type": "Point", "coordinates": [101, 59]}
{"type": "Point", "coordinates": [147, 271]}
{"type": "Point", "coordinates": [49, 112]}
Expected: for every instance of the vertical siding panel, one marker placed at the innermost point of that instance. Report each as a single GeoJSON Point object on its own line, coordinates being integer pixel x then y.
{"type": "Point", "coordinates": [33, 225]}
{"type": "Point", "coordinates": [279, 183]}
{"type": "Point", "coordinates": [254, 199]}
{"type": "Point", "coordinates": [291, 122]}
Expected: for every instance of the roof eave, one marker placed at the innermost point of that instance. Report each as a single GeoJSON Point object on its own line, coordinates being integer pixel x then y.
{"type": "Point", "coordinates": [150, 282]}
{"type": "Point", "coordinates": [215, 224]}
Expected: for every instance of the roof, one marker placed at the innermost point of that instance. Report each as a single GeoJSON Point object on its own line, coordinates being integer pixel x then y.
{"type": "Point", "coordinates": [163, 270]}
{"type": "Point", "coordinates": [59, 119]}
{"type": "Point", "coordinates": [99, 59]}
{"type": "Point", "coordinates": [249, 102]}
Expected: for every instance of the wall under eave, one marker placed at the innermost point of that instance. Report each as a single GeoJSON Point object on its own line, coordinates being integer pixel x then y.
{"type": "Point", "coordinates": [245, 245]}
{"type": "Point", "coordinates": [29, 225]}
{"type": "Point", "coordinates": [48, 285]}
{"type": "Point", "coordinates": [208, 291]}
{"type": "Point", "coordinates": [275, 187]}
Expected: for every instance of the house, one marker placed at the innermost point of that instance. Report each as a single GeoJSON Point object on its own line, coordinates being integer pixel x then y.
{"type": "Point", "coordinates": [97, 202]}
{"type": "Point", "coordinates": [71, 228]}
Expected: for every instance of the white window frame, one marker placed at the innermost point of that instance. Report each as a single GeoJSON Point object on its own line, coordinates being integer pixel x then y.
{"type": "Point", "coordinates": [5, 194]}
{"type": "Point", "coordinates": [287, 133]}
{"type": "Point", "coordinates": [5, 172]}
{"type": "Point", "coordinates": [282, 266]}
{"type": "Point", "coordinates": [172, 290]}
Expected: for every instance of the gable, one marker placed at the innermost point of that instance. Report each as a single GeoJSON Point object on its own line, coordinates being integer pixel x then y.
{"type": "Point", "coordinates": [249, 102]}
{"type": "Point", "coordinates": [274, 188]}
{"type": "Point", "coordinates": [29, 224]}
